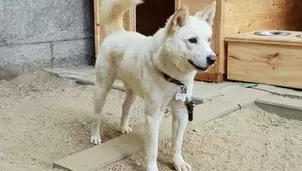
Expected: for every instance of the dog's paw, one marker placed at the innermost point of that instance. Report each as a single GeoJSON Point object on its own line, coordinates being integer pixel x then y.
{"type": "Point", "coordinates": [152, 167]}
{"type": "Point", "coordinates": [181, 165]}
{"type": "Point", "coordinates": [96, 139]}
{"type": "Point", "coordinates": [126, 130]}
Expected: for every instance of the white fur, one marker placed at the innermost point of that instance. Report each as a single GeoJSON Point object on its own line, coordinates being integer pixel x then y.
{"type": "Point", "coordinates": [137, 61]}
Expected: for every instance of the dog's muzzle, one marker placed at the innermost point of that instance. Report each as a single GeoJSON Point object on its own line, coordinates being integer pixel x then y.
{"type": "Point", "coordinates": [197, 67]}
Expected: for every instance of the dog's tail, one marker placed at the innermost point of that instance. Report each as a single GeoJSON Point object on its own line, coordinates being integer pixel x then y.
{"type": "Point", "coordinates": [111, 14]}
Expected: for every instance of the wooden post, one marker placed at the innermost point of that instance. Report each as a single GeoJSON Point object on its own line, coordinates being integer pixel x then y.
{"type": "Point", "coordinates": [97, 26]}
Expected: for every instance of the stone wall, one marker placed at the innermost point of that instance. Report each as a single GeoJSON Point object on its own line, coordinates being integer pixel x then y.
{"type": "Point", "coordinates": [45, 33]}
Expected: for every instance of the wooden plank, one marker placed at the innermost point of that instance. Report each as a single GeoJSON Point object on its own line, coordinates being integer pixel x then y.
{"type": "Point", "coordinates": [104, 154]}
{"type": "Point", "coordinates": [263, 63]}
{"type": "Point", "coordinates": [126, 145]}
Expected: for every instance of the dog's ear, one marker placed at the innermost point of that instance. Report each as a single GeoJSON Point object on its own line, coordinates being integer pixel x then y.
{"type": "Point", "coordinates": [178, 19]}
{"type": "Point", "coordinates": [208, 13]}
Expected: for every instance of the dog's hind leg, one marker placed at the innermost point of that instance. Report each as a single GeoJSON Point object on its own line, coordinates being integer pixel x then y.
{"type": "Point", "coordinates": [105, 77]}
{"type": "Point", "coordinates": [129, 100]}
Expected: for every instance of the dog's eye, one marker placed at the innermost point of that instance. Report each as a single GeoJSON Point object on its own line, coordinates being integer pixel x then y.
{"type": "Point", "coordinates": [209, 40]}
{"type": "Point", "coordinates": [193, 40]}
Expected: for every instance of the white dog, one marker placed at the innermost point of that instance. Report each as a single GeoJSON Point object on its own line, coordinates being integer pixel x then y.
{"type": "Point", "coordinates": [160, 69]}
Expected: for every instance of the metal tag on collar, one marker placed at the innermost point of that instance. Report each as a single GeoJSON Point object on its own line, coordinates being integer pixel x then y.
{"type": "Point", "coordinates": [182, 95]}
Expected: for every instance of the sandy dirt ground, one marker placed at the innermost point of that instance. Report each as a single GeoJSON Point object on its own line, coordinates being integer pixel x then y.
{"type": "Point", "coordinates": [44, 118]}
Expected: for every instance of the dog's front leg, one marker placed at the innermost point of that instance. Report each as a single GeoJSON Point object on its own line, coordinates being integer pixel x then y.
{"type": "Point", "coordinates": [153, 119]}
{"type": "Point", "coordinates": [180, 115]}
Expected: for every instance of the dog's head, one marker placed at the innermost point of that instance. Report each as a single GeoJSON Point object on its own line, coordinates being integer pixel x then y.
{"type": "Point", "coordinates": [189, 39]}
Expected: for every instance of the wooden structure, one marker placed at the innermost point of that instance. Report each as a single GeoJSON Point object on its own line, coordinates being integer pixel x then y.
{"type": "Point", "coordinates": [232, 17]}
{"type": "Point", "coordinates": [275, 60]}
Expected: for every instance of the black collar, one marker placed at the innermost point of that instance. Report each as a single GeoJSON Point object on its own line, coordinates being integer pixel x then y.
{"type": "Point", "coordinates": [182, 86]}
{"type": "Point", "coordinates": [172, 80]}
{"type": "Point", "coordinates": [189, 103]}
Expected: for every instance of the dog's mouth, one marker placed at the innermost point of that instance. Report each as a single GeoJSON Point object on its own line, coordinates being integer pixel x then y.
{"type": "Point", "coordinates": [198, 67]}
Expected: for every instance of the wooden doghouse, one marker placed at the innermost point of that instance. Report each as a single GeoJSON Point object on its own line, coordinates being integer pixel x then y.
{"type": "Point", "coordinates": [232, 17]}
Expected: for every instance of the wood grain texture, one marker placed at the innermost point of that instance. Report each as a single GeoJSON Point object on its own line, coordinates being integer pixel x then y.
{"type": "Point", "coordinates": [220, 66]}
{"type": "Point", "coordinates": [264, 63]}
{"type": "Point", "coordinates": [250, 15]}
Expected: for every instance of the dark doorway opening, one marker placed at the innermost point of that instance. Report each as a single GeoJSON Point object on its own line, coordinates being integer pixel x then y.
{"type": "Point", "coordinates": [152, 15]}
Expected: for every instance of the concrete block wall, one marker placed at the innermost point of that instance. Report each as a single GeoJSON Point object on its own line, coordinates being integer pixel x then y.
{"type": "Point", "coordinates": [45, 33]}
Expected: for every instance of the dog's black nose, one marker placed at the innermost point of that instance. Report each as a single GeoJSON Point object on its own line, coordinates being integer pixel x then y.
{"type": "Point", "coordinates": [211, 59]}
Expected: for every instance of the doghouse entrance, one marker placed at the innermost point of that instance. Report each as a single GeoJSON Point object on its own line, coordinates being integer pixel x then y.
{"type": "Point", "coordinates": [152, 15]}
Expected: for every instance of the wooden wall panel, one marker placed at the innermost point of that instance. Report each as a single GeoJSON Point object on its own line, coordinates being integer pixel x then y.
{"type": "Point", "coordinates": [250, 15]}
{"type": "Point", "coordinates": [253, 22]}
{"type": "Point", "coordinates": [239, 7]}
